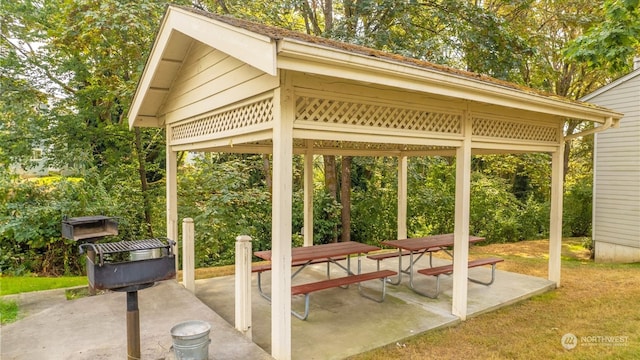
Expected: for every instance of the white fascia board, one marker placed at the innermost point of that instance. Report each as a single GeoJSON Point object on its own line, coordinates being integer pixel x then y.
{"type": "Point", "coordinates": [252, 48]}
{"type": "Point", "coordinates": [150, 68]}
{"type": "Point", "coordinates": [301, 56]}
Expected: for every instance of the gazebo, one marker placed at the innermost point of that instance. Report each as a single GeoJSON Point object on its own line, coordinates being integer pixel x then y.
{"type": "Point", "coordinates": [220, 84]}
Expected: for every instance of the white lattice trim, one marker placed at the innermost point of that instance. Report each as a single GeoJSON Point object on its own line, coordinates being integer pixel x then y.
{"type": "Point", "coordinates": [248, 115]}
{"type": "Point", "coordinates": [516, 130]}
{"type": "Point", "coordinates": [377, 116]}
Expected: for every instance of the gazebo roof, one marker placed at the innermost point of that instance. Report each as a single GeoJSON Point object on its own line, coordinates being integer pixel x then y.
{"type": "Point", "coordinates": [272, 49]}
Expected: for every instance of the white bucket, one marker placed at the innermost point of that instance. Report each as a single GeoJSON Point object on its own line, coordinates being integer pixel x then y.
{"type": "Point", "coordinates": [191, 340]}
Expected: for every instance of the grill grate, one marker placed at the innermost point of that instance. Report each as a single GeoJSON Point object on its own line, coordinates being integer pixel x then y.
{"type": "Point", "coordinates": [116, 251]}
{"type": "Point", "coordinates": [124, 246]}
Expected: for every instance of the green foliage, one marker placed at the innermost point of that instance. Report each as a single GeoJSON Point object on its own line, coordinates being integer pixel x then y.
{"type": "Point", "coordinates": [224, 203]}
{"type": "Point", "coordinates": [31, 213]}
{"type": "Point", "coordinates": [578, 209]}
{"type": "Point", "coordinates": [8, 311]}
{"type": "Point", "coordinates": [326, 216]}
{"type": "Point", "coordinates": [431, 196]}
{"type": "Point", "coordinates": [494, 210]}
{"type": "Point", "coordinates": [611, 43]}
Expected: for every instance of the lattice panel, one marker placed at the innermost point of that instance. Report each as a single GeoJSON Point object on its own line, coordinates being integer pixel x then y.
{"type": "Point", "coordinates": [252, 114]}
{"type": "Point", "coordinates": [375, 116]}
{"type": "Point", "coordinates": [514, 130]}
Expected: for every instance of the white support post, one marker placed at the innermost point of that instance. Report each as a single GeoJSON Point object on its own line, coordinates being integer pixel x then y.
{"type": "Point", "coordinates": [461, 227]}
{"type": "Point", "coordinates": [243, 285]}
{"type": "Point", "coordinates": [188, 255]}
{"type": "Point", "coordinates": [402, 197]}
{"type": "Point", "coordinates": [555, 225]}
{"type": "Point", "coordinates": [308, 195]}
{"type": "Point", "coordinates": [284, 108]}
{"type": "Point", "coordinates": [172, 197]}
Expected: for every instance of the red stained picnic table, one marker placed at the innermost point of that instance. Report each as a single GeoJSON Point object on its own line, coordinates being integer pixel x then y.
{"type": "Point", "coordinates": [331, 252]}
{"type": "Point", "coordinates": [324, 251]}
{"type": "Point", "coordinates": [421, 246]}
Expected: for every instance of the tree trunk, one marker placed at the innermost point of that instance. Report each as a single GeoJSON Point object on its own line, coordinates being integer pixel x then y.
{"type": "Point", "coordinates": [331, 182]}
{"type": "Point", "coordinates": [266, 167]}
{"type": "Point", "coordinates": [345, 198]}
{"type": "Point", "coordinates": [144, 186]}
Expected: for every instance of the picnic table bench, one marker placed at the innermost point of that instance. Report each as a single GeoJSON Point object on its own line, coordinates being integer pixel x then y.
{"type": "Point", "coordinates": [260, 268]}
{"type": "Point", "coordinates": [308, 288]}
{"type": "Point", "coordinates": [448, 269]}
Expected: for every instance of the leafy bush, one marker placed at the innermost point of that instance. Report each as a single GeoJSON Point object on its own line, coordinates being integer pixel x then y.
{"type": "Point", "coordinates": [30, 222]}
{"type": "Point", "coordinates": [224, 203]}
{"type": "Point", "coordinates": [577, 208]}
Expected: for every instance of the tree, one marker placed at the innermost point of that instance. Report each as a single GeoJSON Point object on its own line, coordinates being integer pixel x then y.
{"type": "Point", "coordinates": [612, 43]}
{"type": "Point", "coordinates": [86, 57]}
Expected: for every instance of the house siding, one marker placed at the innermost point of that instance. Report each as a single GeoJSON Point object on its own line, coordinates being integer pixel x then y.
{"type": "Point", "coordinates": [616, 225]}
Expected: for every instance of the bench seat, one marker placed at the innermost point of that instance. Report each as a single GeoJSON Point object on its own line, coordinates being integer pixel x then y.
{"type": "Point", "coordinates": [260, 268]}
{"type": "Point", "coordinates": [307, 289]}
{"type": "Point", "coordinates": [448, 269]}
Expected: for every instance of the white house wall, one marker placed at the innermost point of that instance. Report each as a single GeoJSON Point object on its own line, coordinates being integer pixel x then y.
{"type": "Point", "coordinates": [617, 177]}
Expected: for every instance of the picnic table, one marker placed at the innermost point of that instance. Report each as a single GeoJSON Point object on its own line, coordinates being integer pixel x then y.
{"type": "Point", "coordinates": [422, 245]}
{"type": "Point", "coordinates": [331, 253]}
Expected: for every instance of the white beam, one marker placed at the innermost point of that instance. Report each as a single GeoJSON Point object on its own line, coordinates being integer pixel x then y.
{"type": "Point", "coordinates": [461, 228]}
{"type": "Point", "coordinates": [172, 197]}
{"type": "Point", "coordinates": [281, 222]}
{"type": "Point", "coordinates": [555, 226]}
{"type": "Point", "coordinates": [402, 197]}
{"type": "Point", "coordinates": [308, 194]}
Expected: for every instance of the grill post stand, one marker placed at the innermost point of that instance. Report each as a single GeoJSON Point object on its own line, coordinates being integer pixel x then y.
{"type": "Point", "coordinates": [133, 326]}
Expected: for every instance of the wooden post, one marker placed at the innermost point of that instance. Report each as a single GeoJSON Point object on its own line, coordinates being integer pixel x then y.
{"type": "Point", "coordinates": [402, 197]}
{"type": "Point", "coordinates": [555, 225]}
{"type": "Point", "coordinates": [243, 285]}
{"type": "Point", "coordinates": [308, 195]}
{"type": "Point", "coordinates": [284, 107]}
{"type": "Point", "coordinates": [188, 255]}
{"type": "Point", "coordinates": [461, 227]}
{"type": "Point", "coordinates": [172, 197]}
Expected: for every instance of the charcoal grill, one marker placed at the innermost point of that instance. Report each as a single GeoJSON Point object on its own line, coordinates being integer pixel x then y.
{"type": "Point", "coordinates": [89, 228]}
{"type": "Point", "coordinates": [129, 266]}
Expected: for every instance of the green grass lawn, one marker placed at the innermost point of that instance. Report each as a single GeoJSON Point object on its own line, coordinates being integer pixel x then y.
{"type": "Point", "coordinates": [19, 284]}
{"type": "Point", "coordinates": [8, 311]}
{"type": "Point", "coordinates": [598, 303]}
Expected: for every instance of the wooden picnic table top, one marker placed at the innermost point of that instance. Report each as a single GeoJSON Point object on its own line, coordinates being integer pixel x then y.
{"type": "Point", "coordinates": [323, 251]}
{"type": "Point", "coordinates": [427, 242]}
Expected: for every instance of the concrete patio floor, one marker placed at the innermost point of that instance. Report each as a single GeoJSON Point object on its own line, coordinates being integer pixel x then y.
{"type": "Point", "coordinates": [94, 327]}
{"type": "Point", "coordinates": [342, 323]}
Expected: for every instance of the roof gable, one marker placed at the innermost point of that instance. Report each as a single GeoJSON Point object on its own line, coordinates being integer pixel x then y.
{"type": "Point", "coordinates": [179, 28]}
{"type": "Point", "coordinates": [635, 73]}
{"type": "Point", "coordinates": [268, 49]}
